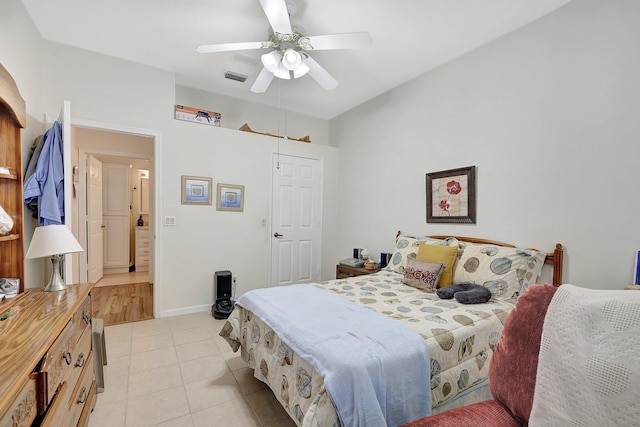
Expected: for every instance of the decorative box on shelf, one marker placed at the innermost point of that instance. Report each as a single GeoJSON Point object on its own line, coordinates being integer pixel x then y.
{"type": "Point", "coordinates": [191, 114]}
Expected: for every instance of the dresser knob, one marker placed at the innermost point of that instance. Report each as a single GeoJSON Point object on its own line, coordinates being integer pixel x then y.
{"type": "Point", "coordinates": [80, 361]}
{"type": "Point", "coordinates": [82, 397]}
{"type": "Point", "coordinates": [67, 357]}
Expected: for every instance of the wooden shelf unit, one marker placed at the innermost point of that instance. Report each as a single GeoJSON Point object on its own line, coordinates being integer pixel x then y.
{"type": "Point", "coordinates": [12, 120]}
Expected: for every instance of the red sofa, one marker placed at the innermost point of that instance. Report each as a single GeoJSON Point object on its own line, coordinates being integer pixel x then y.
{"type": "Point", "coordinates": [512, 372]}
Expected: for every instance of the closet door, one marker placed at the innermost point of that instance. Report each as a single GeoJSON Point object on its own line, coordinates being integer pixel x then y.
{"type": "Point", "coordinates": [116, 204]}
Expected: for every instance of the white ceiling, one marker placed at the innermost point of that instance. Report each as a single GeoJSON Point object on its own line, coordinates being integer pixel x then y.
{"type": "Point", "coordinates": [410, 37]}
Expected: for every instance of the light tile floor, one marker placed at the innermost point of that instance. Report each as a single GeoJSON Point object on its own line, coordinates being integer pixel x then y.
{"type": "Point", "coordinates": [178, 372]}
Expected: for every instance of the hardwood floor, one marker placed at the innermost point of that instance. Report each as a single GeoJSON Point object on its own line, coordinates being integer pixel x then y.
{"type": "Point", "coordinates": [116, 300]}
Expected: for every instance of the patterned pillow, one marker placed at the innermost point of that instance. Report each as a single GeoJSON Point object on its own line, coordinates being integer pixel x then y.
{"type": "Point", "coordinates": [507, 272]}
{"type": "Point", "coordinates": [423, 275]}
{"type": "Point", "coordinates": [407, 247]}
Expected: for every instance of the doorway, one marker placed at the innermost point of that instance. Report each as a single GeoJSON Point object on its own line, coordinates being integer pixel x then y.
{"type": "Point", "coordinates": [134, 155]}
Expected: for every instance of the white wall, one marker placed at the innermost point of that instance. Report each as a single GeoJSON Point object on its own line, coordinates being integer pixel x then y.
{"type": "Point", "coordinates": [110, 91]}
{"type": "Point", "coordinates": [260, 118]}
{"type": "Point", "coordinates": [548, 114]}
{"type": "Point", "coordinates": [19, 53]}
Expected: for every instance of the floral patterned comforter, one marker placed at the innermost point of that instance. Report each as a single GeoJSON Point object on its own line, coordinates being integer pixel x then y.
{"type": "Point", "coordinates": [461, 339]}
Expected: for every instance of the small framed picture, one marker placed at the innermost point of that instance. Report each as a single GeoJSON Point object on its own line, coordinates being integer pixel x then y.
{"type": "Point", "coordinates": [196, 190]}
{"type": "Point", "coordinates": [230, 198]}
{"type": "Point", "coordinates": [451, 196]}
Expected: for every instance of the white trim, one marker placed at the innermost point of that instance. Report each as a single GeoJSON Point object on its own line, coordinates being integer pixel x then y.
{"type": "Point", "coordinates": [185, 310]}
{"type": "Point", "coordinates": [155, 228]}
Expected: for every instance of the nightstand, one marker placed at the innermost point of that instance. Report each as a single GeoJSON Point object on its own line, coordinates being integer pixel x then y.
{"type": "Point", "coordinates": [344, 272]}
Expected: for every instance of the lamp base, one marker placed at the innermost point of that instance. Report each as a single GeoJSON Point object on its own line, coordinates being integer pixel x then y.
{"type": "Point", "coordinates": [55, 282]}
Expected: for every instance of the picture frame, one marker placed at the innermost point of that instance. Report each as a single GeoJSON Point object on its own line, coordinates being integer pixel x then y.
{"type": "Point", "coordinates": [196, 190]}
{"type": "Point", "coordinates": [451, 196]}
{"type": "Point", "coordinates": [230, 198]}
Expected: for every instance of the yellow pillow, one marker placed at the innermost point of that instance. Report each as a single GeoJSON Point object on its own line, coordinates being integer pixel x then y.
{"type": "Point", "coordinates": [439, 253]}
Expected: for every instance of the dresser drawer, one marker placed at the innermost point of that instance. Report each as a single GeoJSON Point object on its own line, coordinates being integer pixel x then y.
{"type": "Point", "coordinates": [23, 410]}
{"type": "Point", "coordinates": [56, 364]}
{"type": "Point", "coordinates": [59, 409]}
{"type": "Point", "coordinates": [82, 318]}
{"type": "Point", "coordinates": [80, 357]}
{"type": "Point", "coordinates": [81, 393]}
{"type": "Point", "coordinates": [142, 252]}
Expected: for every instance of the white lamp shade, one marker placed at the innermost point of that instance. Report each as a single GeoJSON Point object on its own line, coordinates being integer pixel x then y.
{"type": "Point", "coordinates": [281, 72]}
{"type": "Point", "coordinates": [291, 59]}
{"type": "Point", "coordinates": [271, 60]}
{"type": "Point", "coordinates": [49, 240]}
{"type": "Point", "coordinates": [301, 71]}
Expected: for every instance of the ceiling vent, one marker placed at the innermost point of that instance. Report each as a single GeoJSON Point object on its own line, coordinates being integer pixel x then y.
{"type": "Point", "coordinates": [235, 76]}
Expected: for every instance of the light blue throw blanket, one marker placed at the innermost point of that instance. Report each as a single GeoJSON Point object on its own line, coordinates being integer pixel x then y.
{"type": "Point", "coordinates": [375, 369]}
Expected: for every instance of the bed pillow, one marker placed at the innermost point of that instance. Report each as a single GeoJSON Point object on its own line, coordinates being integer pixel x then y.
{"type": "Point", "coordinates": [407, 248]}
{"type": "Point", "coordinates": [439, 253]}
{"type": "Point", "coordinates": [423, 275]}
{"type": "Point", "coordinates": [506, 272]}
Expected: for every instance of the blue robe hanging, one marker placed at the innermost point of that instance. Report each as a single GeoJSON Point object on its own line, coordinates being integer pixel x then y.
{"type": "Point", "coordinates": [47, 183]}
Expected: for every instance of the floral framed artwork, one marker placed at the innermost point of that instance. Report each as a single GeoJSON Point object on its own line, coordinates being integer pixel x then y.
{"type": "Point", "coordinates": [196, 190]}
{"type": "Point", "coordinates": [230, 198]}
{"type": "Point", "coordinates": [451, 196]}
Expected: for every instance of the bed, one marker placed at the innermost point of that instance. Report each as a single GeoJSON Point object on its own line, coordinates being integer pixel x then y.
{"type": "Point", "coordinates": [460, 337]}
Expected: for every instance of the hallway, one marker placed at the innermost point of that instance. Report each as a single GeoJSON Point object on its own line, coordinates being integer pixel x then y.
{"type": "Point", "coordinates": [123, 298]}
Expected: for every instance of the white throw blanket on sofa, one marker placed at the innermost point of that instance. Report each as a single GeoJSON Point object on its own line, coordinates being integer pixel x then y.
{"type": "Point", "coordinates": [589, 365]}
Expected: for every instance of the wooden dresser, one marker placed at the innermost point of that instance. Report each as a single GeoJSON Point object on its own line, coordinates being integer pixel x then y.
{"type": "Point", "coordinates": [46, 362]}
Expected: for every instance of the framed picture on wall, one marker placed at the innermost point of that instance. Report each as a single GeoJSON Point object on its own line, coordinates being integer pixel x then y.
{"type": "Point", "coordinates": [196, 190]}
{"type": "Point", "coordinates": [230, 198]}
{"type": "Point", "coordinates": [451, 196]}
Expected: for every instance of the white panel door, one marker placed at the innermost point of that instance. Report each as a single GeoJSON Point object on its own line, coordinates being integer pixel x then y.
{"type": "Point", "coordinates": [95, 225]}
{"type": "Point", "coordinates": [117, 194]}
{"type": "Point", "coordinates": [296, 223]}
{"type": "Point", "coordinates": [116, 206]}
{"type": "Point", "coordinates": [116, 248]}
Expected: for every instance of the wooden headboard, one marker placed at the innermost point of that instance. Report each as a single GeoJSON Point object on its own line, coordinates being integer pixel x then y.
{"type": "Point", "coordinates": [553, 258]}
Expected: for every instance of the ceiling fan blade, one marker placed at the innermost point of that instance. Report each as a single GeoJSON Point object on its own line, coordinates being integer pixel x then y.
{"type": "Point", "coordinates": [320, 75]}
{"type": "Point", "coordinates": [225, 47]}
{"type": "Point", "coordinates": [262, 82]}
{"type": "Point", "coordinates": [276, 11]}
{"type": "Point", "coordinates": [341, 41]}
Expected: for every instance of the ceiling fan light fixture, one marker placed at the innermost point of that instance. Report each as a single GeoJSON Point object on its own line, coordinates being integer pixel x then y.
{"type": "Point", "coordinates": [301, 71]}
{"type": "Point", "coordinates": [281, 72]}
{"type": "Point", "coordinates": [271, 61]}
{"type": "Point", "coordinates": [291, 59]}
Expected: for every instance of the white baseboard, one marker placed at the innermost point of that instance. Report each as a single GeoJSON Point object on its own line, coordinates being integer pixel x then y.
{"type": "Point", "coordinates": [185, 310]}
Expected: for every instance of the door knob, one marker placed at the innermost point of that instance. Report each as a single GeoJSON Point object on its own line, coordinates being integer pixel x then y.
{"type": "Point", "coordinates": [276, 234]}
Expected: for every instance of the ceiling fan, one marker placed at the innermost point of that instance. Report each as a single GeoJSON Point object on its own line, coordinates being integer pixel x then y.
{"type": "Point", "coordinates": [289, 50]}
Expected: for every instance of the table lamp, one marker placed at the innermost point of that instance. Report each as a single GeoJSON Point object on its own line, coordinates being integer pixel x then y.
{"type": "Point", "coordinates": [53, 241]}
